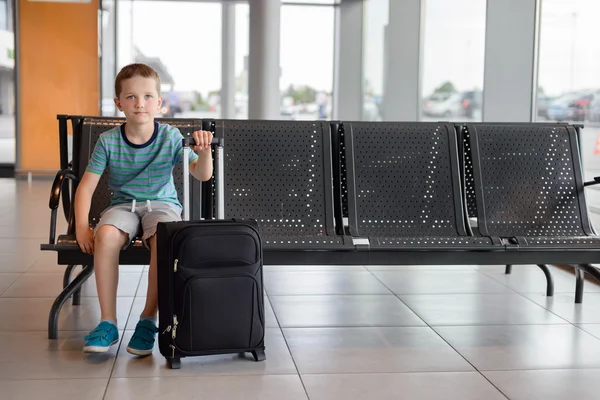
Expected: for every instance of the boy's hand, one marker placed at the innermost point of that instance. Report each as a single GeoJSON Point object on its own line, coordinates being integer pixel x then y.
{"type": "Point", "coordinates": [85, 239]}
{"type": "Point", "coordinates": [202, 139]}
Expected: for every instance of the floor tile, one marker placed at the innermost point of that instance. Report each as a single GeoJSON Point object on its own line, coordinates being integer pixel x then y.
{"type": "Point", "coordinates": [136, 310]}
{"type": "Point", "coordinates": [31, 314]}
{"type": "Point", "coordinates": [17, 261]}
{"type": "Point", "coordinates": [31, 355]}
{"type": "Point", "coordinates": [142, 289]}
{"type": "Point", "coordinates": [270, 319]}
{"type": "Point", "coordinates": [314, 268]}
{"type": "Point", "coordinates": [47, 261]}
{"type": "Point", "coordinates": [140, 302]}
{"type": "Point", "coordinates": [479, 309]}
{"type": "Point", "coordinates": [40, 284]}
{"type": "Point", "coordinates": [279, 361]}
{"type": "Point", "coordinates": [421, 386]}
{"type": "Point", "coordinates": [361, 310]}
{"type": "Point", "coordinates": [524, 346]}
{"type": "Point", "coordinates": [54, 389]}
{"type": "Point", "coordinates": [592, 329]}
{"type": "Point", "coordinates": [434, 281]}
{"type": "Point", "coordinates": [268, 387]}
{"type": "Point", "coordinates": [465, 267]}
{"type": "Point", "coordinates": [371, 350]}
{"type": "Point", "coordinates": [531, 279]}
{"type": "Point", "coordinates": [327, 282]}
{"type": "Point", "coordinates": [18, 245]}
{"type": "Point", "coordinates": [579, 384]}
{"type": "Point", "coordinates": [564, 306]}
{"type": "Point", "coordinates": [7, 279]}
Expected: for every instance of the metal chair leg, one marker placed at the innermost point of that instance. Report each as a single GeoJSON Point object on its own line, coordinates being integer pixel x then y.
{"type": "Point", "coordinates": [67, 276]}
{"type": "Point", "coordinates": [63, 296]}
{"type": "Point", "coordinates": [581, 270]}
{"type": "Point", "coordinates": [67, 280]}
{"type": "Point", "coordinates": [508, 269]}
{"type": "Point", "coordinates": [580, 279]}
{"type": "Point", "coordinates": [549, 280]}
{"type": "Point", "coordinates": [590, 269]}
{"type": "Point", "coordinates": [77, 297]}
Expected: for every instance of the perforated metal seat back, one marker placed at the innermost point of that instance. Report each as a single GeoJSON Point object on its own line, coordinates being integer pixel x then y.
{"type": "Point", "coordinates": [528, 176]}
{"type": "Point", "coordinates": [92, 128]}
{"type": "Point", "coordinates": [403, 179]}
{"type": "Point", "coordinates": [468, 181]}
{"type": "Point", "coordinates": [279, 172]}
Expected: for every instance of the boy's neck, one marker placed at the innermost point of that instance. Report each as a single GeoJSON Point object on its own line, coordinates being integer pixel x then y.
{"type": "Point", "coordinates": [139, 133]}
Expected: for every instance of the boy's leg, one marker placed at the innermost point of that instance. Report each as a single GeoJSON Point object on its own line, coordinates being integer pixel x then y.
{"type": "Point", "coordinates": [161, 212]}
{"type": "Point", "coordinates": [108, 242]}
{"type": "Point", "coordinates": [151, 307]}
{"type": "Point", "coordinates": [142, 340]}
{"type": "Point", "coordinates": [112, 234]}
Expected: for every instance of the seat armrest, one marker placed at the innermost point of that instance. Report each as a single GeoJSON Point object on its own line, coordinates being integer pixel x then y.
{"type": "Point", "coordinates": [594, 182]}
{"type": "Point", "coordinates": [55, 198]}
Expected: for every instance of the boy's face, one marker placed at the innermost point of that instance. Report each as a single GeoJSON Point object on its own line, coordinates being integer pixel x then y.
{"type": "Point", "coordinates": [139, 100]}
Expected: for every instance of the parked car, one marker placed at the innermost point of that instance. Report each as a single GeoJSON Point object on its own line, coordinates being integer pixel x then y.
{"type": "Point", "coordinates": [571, 106]}
{"type": "Point", "coordinates": [471, 102]}
{"type": "Point", "coordinates": [594, 110]}
{"type": "Point", "coordinates": [449, 107]}
{"type": "Point", "coordinates": [543, 102]}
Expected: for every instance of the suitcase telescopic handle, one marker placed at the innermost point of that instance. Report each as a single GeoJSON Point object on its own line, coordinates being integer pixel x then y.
{"type": "Point", "coordinates": [189, 141]}
{"type": "Point", "coordinates": [219, 183]}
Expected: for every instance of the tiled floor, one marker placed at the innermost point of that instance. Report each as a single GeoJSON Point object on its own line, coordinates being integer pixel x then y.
{"type": "Point", "coordinates": [334, 332]}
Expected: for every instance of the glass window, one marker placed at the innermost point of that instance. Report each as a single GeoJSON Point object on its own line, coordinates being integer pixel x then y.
{"type": "Point", "coordinates": [311, 1]}
{"type": "Point", "coordinates": [569, 71]}
{"type": "Point", "coordinates": [569, 61]}
{"type": "Point", "coordinates": [306, 60]}
{"type": "Point", "coordinates": [453, 60]}
{"type": "Point", "coordinates": [7, 84]}
{"type": "Point", "coordinates": [186, 54]}
{"type": "Point", "coordinates": [376, 15]}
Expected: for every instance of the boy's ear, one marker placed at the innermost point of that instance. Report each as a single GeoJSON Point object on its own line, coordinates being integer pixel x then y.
{"type": "Point", "coordinates": [159, 102]}
{"type": "Point", "coordinates": [118, 103]}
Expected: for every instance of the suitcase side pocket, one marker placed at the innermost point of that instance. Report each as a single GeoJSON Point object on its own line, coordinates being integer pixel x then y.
{"type": "Point", "coordinates": [219, 313]}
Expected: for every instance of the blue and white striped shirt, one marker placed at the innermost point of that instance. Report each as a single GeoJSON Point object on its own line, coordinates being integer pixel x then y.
{"type": "Point", "coordinates": [140, 171]}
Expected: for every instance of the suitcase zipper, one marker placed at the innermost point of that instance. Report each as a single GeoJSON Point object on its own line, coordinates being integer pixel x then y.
{"type": "Point", "coordinates": [175, 265]}
{"type": "Point", "coordinates": [182, 245]}
{"type": "Point", "coordinates": [174, 334]}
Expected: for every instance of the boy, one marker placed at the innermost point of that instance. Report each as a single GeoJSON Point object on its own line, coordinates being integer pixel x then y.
{"type": "Point", "coordinates": [140, 155]}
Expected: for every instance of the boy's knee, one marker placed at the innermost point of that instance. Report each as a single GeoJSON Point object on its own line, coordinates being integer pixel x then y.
{"type": "Point", "coordinates": [109, 234]}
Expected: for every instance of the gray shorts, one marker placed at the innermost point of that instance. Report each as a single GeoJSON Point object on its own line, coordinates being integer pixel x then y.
{"type": "Point", "coordinates": [145, 216]}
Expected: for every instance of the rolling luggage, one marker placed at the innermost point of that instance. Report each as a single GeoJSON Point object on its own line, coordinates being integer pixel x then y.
{"type": "Point", "coordinates": [210, 283]}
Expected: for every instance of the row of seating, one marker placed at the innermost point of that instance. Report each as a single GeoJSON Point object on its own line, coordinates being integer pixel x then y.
{"type": "Point", "coordinates": [374, 193]}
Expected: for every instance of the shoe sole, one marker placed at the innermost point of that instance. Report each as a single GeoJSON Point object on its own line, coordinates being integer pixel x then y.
{"type": "Point", "coordinates": [138, 352]}
{"type": "Point", "coordinates": [98, 349]}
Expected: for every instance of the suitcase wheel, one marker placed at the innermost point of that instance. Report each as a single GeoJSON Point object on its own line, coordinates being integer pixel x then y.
{"type": "Point", "coordinates": [174, 363]}
{"type": "Point", "coordinates": [259, 355]}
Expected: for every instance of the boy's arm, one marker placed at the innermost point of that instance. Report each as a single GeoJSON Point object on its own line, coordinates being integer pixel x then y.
{"type": "Point", "coordinates": [202, 167]}
{"type": "Point", "coordinates": [83, 200]}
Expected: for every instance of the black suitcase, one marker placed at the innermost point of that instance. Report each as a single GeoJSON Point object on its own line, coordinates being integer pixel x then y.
{"type": "Point", "coordinates": [210, 286]}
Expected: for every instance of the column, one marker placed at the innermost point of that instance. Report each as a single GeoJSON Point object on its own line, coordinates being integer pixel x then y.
{"type": "Point", "coordinates": [263, 63]}
{"type": "Point", "coordinates": [403, 49]}
{"type": "Point", "coordinates": [348, 91]}
{"type": "Point", "coordinates": [510, 77]}
{"type": "Point", "coordinates": [228, 62]}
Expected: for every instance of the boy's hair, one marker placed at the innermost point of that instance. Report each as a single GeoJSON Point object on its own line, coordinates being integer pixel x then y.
{"type": "Point", "coordinates": [133, 70]}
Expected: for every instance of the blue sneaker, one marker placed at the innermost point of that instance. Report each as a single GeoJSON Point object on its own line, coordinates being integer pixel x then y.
{"type": "Point", "coordinates": [101, 338]}
{"type": "Point", "coordinates": [142, 341]}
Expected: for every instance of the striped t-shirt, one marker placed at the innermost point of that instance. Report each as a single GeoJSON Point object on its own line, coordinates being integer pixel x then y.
{"type": "Point", "coordinates": [140, 171]}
